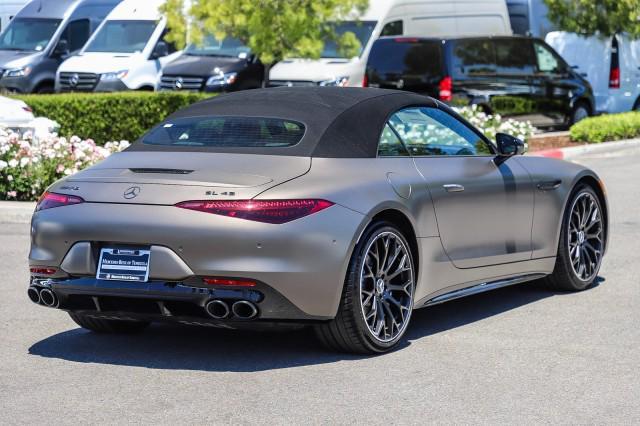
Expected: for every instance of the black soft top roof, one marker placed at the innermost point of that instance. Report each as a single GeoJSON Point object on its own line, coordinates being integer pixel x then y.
{"type": "Point", "coordinates": [340, 122]}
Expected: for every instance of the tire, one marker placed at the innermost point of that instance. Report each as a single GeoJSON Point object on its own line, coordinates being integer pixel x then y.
{"type": "Point", "coordinates": [99, 325]}
{"type": "Point", "coordinates": [574, 248]}
{"type": "Point", "coordinates": [579, 113]}
{"type": "Point", "coordinates": [383, 294]}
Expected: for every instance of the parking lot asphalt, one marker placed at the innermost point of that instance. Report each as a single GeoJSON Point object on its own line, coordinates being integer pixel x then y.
{"type": "Point", "coordinates": [518, 355]}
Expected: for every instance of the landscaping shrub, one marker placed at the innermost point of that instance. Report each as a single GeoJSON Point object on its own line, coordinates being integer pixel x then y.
{"type": "Point", "coordinates": [609, 127]}
{"type": "Point", "coordinates": [108, 116]}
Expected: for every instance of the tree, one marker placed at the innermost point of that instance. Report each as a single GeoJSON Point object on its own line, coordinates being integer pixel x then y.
{"type": "Point", "coordinates": [589, 17]}
{"type": "Point", "coordinates": [273, 29]}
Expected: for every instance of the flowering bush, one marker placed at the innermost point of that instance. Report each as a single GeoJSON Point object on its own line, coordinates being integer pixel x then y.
{"type": "Point", "coordinates": [492, 124]}
{"type": "Point", "coordinates": [28, 166]}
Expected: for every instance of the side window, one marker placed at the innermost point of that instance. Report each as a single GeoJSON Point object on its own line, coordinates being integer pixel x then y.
{"type": "Point", "coordinates": [77, 33]}
{"type": "Point", "coordinates": [170, 45]}
{"type": "Point", "coordinates": [394, 28]}
{"type": "Point", "coordinates": [514, 56]}
{"type": "Point", "coordinates": [547, 61]}
{"type": "Point", "coordinates": [472, 57]}
{"type": "Point", "coordinates": [430, 131]}
{"type": "Point", "coordinates": [390, 145]}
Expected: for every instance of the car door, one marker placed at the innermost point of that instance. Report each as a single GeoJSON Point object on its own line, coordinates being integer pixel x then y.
{"type": "Point", "coordinates": [483, 204]}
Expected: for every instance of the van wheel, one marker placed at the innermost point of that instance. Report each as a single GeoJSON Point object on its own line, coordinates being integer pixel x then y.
{"type": "Point", "coordinates": [44, 89]}
{"type": "Point", "coordinates": [579, 113]}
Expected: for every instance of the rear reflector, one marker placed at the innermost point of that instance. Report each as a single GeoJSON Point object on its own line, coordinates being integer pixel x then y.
{"type": "Point", "coordinates": [229, 282]}
{"type": "Point", "coordinates": [446, 89]}
{"type": "Point", "coordinates": [40, 270]}
{"type": "Point", "coordinates": [49, 200]}
{"type": "Point", "coordinates": [267, 211]}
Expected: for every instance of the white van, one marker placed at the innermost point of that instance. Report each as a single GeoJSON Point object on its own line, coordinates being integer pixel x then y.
{"type": "Point", "coordinates": [610, 65]}
{"type": "Point", "coordinates": [127, 52]}
{"type": "Point", "coordinates": [436, 18]}
{"type": "Point", "coordinates": [9, 9]}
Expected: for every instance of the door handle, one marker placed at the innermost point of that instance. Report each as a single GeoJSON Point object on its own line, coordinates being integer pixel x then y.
{"type": "Point", "coordinates": [453, 187]}
{"type": "Point", "coordinates": [550, 185]}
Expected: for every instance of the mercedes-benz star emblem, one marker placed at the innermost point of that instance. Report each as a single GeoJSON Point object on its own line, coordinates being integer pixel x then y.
{"type": "Point", "coordinates": [132, 192]}
{"type": "Point", "coordinates": [179, 82]}
{"type": "Point", "coordinates": [74, 80]}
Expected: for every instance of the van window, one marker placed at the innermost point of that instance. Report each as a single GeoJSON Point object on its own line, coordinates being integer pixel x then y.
{"type": "Point", "coordinates": [407, 59]}
{"type": "Point", "coordinates": [30, 34]}
{"type": "Point", "coordinates": [211, 46]}
{"type": "Point", "coordinates": [122, 36]}
{"type": "Point", "coordinates": [473, 57]}
{"type": "Point", "coordinates": [514, 56]}
{"type": "Point", "coordinates": [548, 62]}
{"type": "Point", "coordinates": [392, 29]}
{"type": "Point", "coordinates": [77, 33]}
{"type": "Point", "coordinates": [361, 29]}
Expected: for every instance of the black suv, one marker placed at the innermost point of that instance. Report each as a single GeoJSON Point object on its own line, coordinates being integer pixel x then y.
{"type": "Point", "coordinates": [521, 77]}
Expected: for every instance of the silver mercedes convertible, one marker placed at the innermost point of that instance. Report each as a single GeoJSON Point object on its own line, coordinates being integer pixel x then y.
{"type": "Point", "coordinates": [341, 208]}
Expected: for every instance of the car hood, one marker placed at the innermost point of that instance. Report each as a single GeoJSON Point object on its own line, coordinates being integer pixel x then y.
{"type": "Point", "coordinates": [310, 70]}
{"type": "Point", "coordinates": [200, 66]}
{"type": "Point", "coordinates": [167, 178]}
{"type": "Point", "coordinates": [99, 63]}
{"type": "Point", "coordinates": [17, 59]}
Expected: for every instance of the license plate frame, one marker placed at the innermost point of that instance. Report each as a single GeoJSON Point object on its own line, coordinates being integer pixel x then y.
{"type": "Point", "coordinates": [122, 264]}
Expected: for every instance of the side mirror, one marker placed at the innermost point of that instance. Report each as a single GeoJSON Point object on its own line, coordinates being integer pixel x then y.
{"type": "Point", "coordinates": [62, 49]}
{"type": "Point", "coordinates": [509, 146]}
{"type": "Point", "coordinates": [161, 50]}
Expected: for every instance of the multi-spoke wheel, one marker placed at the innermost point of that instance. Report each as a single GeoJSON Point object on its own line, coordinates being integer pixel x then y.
{"type": "Point", "coordinates": [378, 295]}
{"type": "Point", "coordinates": [582, 242]}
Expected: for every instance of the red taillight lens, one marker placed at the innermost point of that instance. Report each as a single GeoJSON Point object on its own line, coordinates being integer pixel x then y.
{"type": "Point", "coordinates": [42, 270]}
{"type": "Point", "coordinates": [229, 282]}
{"type": "Point", "coordinates": [49, 200]}
{"type": "Point", "coordinates": [26, 108]}
{"type": "Point", "coordinates": [446, 89]}
{"type": "Point", "coordinates": [365, 81]}
{"type": "Point", "coordinates": [267, 211]}
{"type": "Point", "coordinates": [614, 78]}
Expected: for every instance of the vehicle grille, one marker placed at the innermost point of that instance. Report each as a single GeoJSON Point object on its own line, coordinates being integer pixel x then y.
{"type": "Point", "coordinates": [177, 82]}
{"type": "Point", "coordinates": [292, 83]}
{"type": "Point", "coordinates": [77, 81]}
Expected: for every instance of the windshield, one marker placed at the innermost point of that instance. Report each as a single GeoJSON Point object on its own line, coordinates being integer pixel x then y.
{"type": "Point", "coordinates": [227, 132]}
{"type": "Point", "coordinates": [211, 46]}
{"type": "Point", "coordinates": [31, 34]}
{"type": "Point", "coordinates": [122, 37]}
{"type": "Point", "coordinates": [362, 30]}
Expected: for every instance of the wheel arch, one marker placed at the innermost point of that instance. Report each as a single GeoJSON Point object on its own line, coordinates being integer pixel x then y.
{"type": "Point", "coordinates": [598, 187]}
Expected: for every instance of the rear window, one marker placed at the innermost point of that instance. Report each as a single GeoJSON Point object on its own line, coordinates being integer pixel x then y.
{"type": "Point", "coordinates": [406, 58]}
{"type": "Point", "coordinates": [473, 57]}
{"type": "Point", "coordinates": [227, 132]}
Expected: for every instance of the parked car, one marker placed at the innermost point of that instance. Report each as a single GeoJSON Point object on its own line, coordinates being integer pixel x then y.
{"type": "Point", "coordinates": [42, 35]}
{"type": "Point", "coordinates": [529, 18]}
{"type": "Point", "coordinates": [14, 113]}
{"type": "Point", "coordinates": [434, 18]}
{"type": "Point", "coordinates": [610, 64]}
{"type": "Point", "coordinates": [9, 9]}
{"type": "Point", "coordinates": [314, 206]}
{"type": "Point", "coordinates": [214, 66]}
{"type": "Point", "coordinates": [127, 52]}
{"type": "Point", "coordinates": [515, 76]}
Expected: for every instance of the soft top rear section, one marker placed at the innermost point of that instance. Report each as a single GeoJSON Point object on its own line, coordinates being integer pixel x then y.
{"type": "Point", "coordinates": [338, 122]}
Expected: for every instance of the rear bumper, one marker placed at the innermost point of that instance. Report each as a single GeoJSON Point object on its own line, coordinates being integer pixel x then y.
{"type": "Point", "coordinates": [304, 261]}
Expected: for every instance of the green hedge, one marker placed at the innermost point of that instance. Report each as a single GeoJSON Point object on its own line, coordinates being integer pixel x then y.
{"type": "Point", "coordinates": [106, 117]}
{"type": "Point", "coordinates": [608, 127]}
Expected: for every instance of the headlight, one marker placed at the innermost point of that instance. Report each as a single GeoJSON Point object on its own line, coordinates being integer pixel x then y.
{"type": "Point", "coordinates": [113, 76]}
{"type": "Point", "coordinates": [18, 72]}
{"type": "Point", "coordinates": [339, 82]}
{"type": "Point", "coordinates": [222, 79]}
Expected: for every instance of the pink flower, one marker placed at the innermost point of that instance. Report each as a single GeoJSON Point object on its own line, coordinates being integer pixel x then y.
{"type": "Point", "coordinates": [12, 194]}
{"type": "Point", "coordinates": [60, 168]}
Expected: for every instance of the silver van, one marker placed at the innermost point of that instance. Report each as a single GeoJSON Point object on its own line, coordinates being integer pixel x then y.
{"type": "Point", "coordinates": [42, 35]}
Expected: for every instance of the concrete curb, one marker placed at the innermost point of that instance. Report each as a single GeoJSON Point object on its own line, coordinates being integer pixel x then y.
{"type": "Point", "coordinates": [579, 151]}
{"type": "Point", "coordinates": [16, 212]}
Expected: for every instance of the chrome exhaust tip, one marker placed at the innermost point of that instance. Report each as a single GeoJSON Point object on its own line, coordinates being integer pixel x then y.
{"type": "Point", "coordinates": [34, 295]}
{"type": "Point", "coordinates": [245, 310]}
{"type": "Point", "coordinates": [217, 309]}
{"type": "Point", "coordinates": [48, 298]}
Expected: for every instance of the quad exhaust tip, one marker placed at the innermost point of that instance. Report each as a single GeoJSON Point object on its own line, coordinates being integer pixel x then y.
{"type": "Point", "coordinates": [217, 309]}
{"type": "Point", "coordinates": [48, 298]}
{"type": "Point", "coordinates": [34, 295]}
{"type": "Point", "coordinates": [245, 310]}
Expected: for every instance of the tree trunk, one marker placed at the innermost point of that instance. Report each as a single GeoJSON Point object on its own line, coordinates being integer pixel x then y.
{"type": "Point", "coordinates": [265, 79]}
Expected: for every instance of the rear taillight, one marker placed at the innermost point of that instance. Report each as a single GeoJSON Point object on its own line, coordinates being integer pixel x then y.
{"type": "Point", "coordinates": [614, 78]}
{"type": "Point", "coordinates": [267, 211]}
{"type": "Point", "coordinates": [49, 200]}
{"type": "Point", "coordinates": [27, 109]}
{"type": "Point", "coordinates": [365, 81]}
{"type": "Point", "coordinates": [446, 89]}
